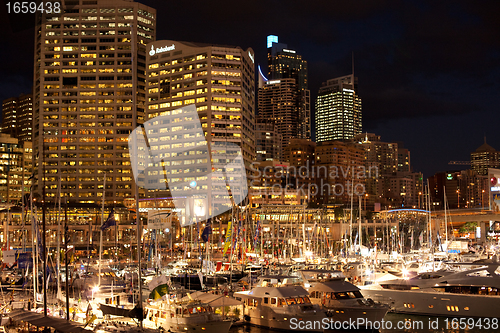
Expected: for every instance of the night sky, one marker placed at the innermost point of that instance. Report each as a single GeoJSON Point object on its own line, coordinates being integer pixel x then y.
{"type": "Point", "coordinates": [428, 71]}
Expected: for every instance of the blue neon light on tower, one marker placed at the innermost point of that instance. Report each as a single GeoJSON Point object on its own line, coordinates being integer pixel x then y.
{"type": "Point", "coordinates": [271, 39]}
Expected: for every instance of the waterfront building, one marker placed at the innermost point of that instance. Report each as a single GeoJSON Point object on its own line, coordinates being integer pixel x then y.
{"type": "Point", "coordinates": [89, 94]}
{"type": "Point", "coordinates": [15, 169]}
{"type": "Point", "coordinates": [483, 158]}
{"type": "Point", "coordinates": [338, 109]}
{"type": "Point", "coordinates": [17, 117]}
{"type": "Point", "coordinates": [285, 63]}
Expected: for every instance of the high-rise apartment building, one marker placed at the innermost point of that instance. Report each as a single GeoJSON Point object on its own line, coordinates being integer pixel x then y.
{"type": "Point", "coordinates": [219, 82]}
{"type": "Point", "coordinates": [89, 94]}
{"type": "Point", "coordinates": [17, 117]}
{"type": "Point", "coordinates": [338, 109]}
{"type": "Point", "coordinates": [285, 63]}
{"type": "Point", "coordinates": [277, 102]}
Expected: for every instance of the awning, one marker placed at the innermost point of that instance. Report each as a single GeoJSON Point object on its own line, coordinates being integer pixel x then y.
{"type": "Point", "coordinates": [39, 320]}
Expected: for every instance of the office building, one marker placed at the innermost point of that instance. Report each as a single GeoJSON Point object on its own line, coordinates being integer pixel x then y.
{"type": "Point", "coordinates": [285, 63]}
{"type": "Point", "coordinates": [89, 94]}
{"type": "Point", "coordinates": [218, 81]}
{"type": "Point", "coordinates": [338, 109]}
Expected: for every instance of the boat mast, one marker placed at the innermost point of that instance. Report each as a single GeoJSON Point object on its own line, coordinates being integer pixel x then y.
{"type": "Point", "coordinates": [102, 223]}
{"type": "Point", "coordinates": [59, 294]}
{"type": "Point", "coordinates": [352, 207]}
{"type": "Point", "coordinates": [359, 225]}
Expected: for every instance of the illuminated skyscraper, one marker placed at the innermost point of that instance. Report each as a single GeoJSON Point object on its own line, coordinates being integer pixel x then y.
{"type": "Point", "coordinates": [277, 103]}
{"type": "Point", "coordinates": [218, 80]}
{"type": "Point", "coordinates": [338, 109]}
{"type": "Point", "coordinates": [89, 94]}
{"type": "Point", "coordinates": [285, 63]}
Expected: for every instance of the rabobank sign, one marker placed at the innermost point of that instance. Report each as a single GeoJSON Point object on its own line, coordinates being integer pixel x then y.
{"type": "Point", "coordinates": [161, 49]}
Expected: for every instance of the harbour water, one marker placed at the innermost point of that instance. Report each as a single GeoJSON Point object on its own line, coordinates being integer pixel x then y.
{"type": "Point", "coordinates": [409, 323]}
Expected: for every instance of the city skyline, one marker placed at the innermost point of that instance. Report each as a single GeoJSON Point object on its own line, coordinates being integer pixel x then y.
{"type": "Point", "coordinates": [426, 72]}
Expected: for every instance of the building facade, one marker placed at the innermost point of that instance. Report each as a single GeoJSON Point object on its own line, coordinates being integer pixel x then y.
{"type": "Point", "coordinates": [339, 171]}
{"type": "Point", "coordinates": [268, 141]}
{"type": "Point", "coordinates": [300, 155]}
{"type": "Point", "coordinates": [338, 110]}
{"type": "Point", "coordinates": [89, 94]}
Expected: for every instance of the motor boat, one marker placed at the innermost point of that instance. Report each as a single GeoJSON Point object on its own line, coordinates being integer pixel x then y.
{"type": "Point", "coordinates": [471, 293]}
{"type": "Point", "coordinates": [340, 299]}
{"type": "Point", "coordinates": [276, 303]}
{"type": "Point", "coordinates": [188, 316]}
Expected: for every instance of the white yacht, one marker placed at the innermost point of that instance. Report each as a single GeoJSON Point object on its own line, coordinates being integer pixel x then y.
{"type": "Point", "coordinates": [342, 300]}
{"type": "Point", "coordinates": [185, 317]}
{"type": "Point", "coordinates": [470, 293]}
{"type": "Point", "coordinates": [278, 305]}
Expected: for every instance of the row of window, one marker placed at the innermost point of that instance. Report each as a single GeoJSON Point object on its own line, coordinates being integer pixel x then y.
{"type": "Point", "coordinates": [54, 139]}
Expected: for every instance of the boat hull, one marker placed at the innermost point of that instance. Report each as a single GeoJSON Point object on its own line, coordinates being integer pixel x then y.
{"type": "Point", "coordinates": [368, 314]}
{"type": "Point", "coordinates": [420, 302]}
{"type": "Point", "coordinates": [266, 317]}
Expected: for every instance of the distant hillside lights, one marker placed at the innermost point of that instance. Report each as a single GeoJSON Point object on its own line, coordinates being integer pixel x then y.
{"type": "Point", "coordinates": [161, 49]}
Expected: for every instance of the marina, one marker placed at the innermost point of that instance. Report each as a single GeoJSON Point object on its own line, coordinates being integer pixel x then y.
{"type": "Point", "coordinates": [161, 185]}
{"type": "Point", "coordinates": [275, 271]}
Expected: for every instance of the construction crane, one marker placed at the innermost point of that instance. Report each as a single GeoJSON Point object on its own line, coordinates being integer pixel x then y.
{"type": "Point", "coordinates": [459, 163]}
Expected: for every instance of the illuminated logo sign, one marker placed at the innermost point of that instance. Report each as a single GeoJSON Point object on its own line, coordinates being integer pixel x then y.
{"type": "Point", "coordinates": [495, 189]}
{"type": "Point", "coordinates": [494, 181]}
{"type": "Point", "coordinates": [161, 49]}
{"type": "Point", "coordinates": [271, 39]}
{"type": "Point", "coordinates": [449, 176]}
{"type": "Point", "coordinates": [273, 82]}
{"type": "Point", "coordinates": [289, 51]}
